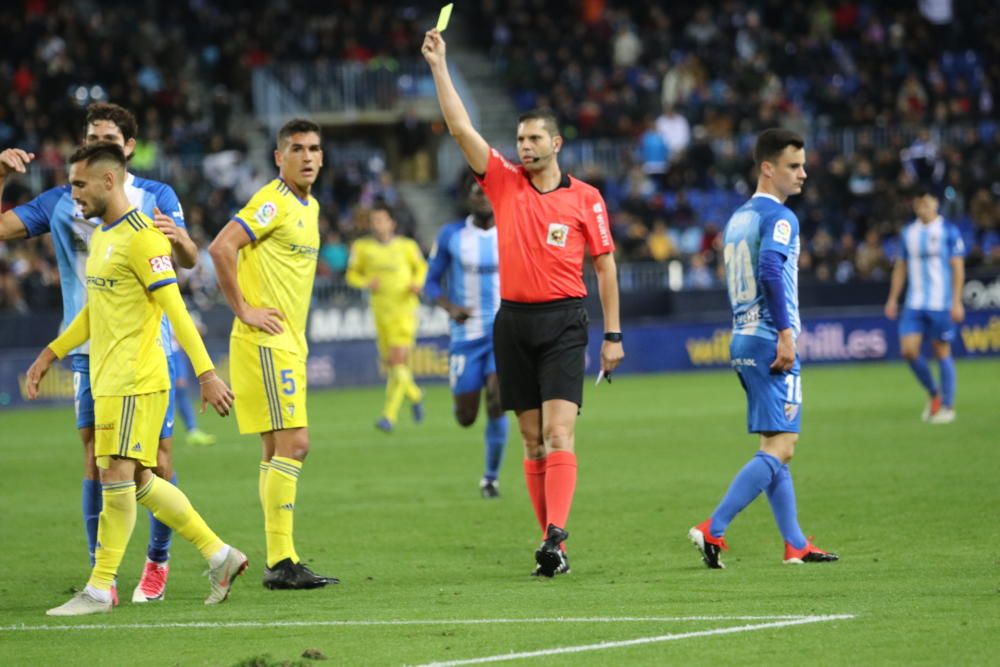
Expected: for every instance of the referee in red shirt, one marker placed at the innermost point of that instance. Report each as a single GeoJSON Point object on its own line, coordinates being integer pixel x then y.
{"type": "Point", "coordinates": [545, 221]}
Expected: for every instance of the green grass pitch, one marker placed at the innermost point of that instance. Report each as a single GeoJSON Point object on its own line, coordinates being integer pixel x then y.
{"type": "Point", "coordinates": [912, 509]}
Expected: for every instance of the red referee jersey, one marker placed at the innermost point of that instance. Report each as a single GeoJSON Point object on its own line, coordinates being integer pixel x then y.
{"type": "Point", "coordinates": [541, 237]}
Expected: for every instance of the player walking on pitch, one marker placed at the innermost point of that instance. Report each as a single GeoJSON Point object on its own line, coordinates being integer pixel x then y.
{"type": "Point", "coordinates": [393, 269]}
{"type": "Point", "coordinates": [761, 253]}
{"type": "Point", "coordinates": [545, 221]}
{"type": "Point", "coordinates": [932, 262]}
{"type": "Point", "coordinates": [265, 259]}
{"type": "Point", "coordinates": [465, 257]}
{"type": "Point", "coordinates": [131, 284]}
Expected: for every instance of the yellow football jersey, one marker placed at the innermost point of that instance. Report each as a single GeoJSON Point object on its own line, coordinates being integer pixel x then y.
{"type": "Point", "coordinates": [278, 267]}
{"type": "Point", "coordinates": [399, 266]}
{"type": "Point", "coordinates": [128, 260]}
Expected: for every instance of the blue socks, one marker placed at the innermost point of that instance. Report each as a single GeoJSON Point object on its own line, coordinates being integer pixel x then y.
{"type": "Point", "coordinates": [781, 495]}
{"type": "Point", "coordinates": [755, 476]}
{"type": "Point", "coordinates": [923, 373]}
{"type": "Point", "coordinates": [159, 536]}
{"type": "Point", "coordinates": [184, 404]}
{"type": "Point", "coordinates": [91, 502]}
{"type": "Point", "coordinates": [496, 442]}
{"type": "Point", "coordinates": [947, 366]}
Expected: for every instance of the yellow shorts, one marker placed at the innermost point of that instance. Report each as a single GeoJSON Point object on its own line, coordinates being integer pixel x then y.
{"type": "Point", "coordinates": [270, 387]}
{"type": "Point", "coordinates": [395, 329]}
{"type": "Point", "coordinates": [129, 426]}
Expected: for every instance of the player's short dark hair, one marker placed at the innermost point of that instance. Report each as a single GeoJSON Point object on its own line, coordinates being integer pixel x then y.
{"type": "Point", "coordinates": [547, 116]}
{"type": "Point", "coordinates": [99, 151]}
{"type": "Point", "coordinates": [123, 119]}
{"type": "Point", "coordinates": [381, 205]}
{"type": "Point", "coordinates": [296, 126]}
{"type": "Point", "coordinates": [921, 191]}
{"type": "Point", "coordinates": [772, 143]}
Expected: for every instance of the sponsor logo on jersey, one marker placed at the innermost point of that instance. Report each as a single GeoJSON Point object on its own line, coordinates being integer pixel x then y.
{"type": "Point", "coordinates": [782, 232]}
{"type": "Point", "coordinates": [160, 264]}
{"type": "Point", "coordinates": [557, 234]}
{"type": "Point", "coordinates": [750, 316]}
{"type": "Point", "coordinates": [265, 214]}
{"type": "Point", "coordinates": [305, 250]}
{"type": "Point", "coordinates": [97, 281]}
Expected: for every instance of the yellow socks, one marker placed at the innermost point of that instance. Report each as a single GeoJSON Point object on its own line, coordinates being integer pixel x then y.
{"type": "Point", "coordinates": [114, 528]}
{"type": "Point", "coordinates": [400, 385]}
{"type": "Point", "coordinates": [279, 508]}
{"type": "Point", "coordinates": [172, 507]}
{"type": "Point", "coordinates": [413, 393]}
{"type": "Point", "coordinates": [394, 392]}
{"type": "Point", "coordinates": [265, 466]}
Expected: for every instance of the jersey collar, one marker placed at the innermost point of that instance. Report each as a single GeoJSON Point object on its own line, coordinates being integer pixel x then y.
{"type": "Point", "coordinates": [304, 202]}
{"type": "Point", "coordinates": [469, 222]}
{"type": "Point", "coordinates": [106, 228]}
{"type": "Point", "coordinates": [564, 182]}
{"type": "Point", "coordinates": [765, 194]}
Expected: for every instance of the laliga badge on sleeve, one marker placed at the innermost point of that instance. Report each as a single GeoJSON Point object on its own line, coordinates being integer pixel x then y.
{"type": "Point", "coordinates": [444, 16]}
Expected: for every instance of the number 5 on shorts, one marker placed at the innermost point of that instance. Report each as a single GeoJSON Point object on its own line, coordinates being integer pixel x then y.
{"type": "Point", "coordinates": [287, 382]}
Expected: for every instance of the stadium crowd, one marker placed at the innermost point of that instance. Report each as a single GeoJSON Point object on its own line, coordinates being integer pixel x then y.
{"type": "Point", "coordinates": [687, 87]}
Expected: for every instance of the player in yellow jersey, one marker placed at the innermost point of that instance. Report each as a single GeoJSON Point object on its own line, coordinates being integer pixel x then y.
{"type": "Point", "coordinates": [393, 269]}
{"type": "Point", "coordinates": [265, 259]}
{"type": "Point", "coordinates": [130, 285]}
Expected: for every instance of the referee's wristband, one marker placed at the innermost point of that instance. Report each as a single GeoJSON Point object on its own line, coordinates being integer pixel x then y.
{"type": "Point", "coordinates": [613, 336]}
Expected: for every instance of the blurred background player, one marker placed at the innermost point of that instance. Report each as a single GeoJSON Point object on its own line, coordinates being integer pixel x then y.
{"type": "Point", "coordinates": [931, 261]}
{"type": "Point", "coordinates": [546, 221]}
{"type": "Point", "coordinates": [393, 269]}
{"type": "Point", "coordinates": [465, 257]}
{"type": "Point", "coordinates": [182, 378]}
{"type": "Point", "coordinates": [55, 211]}
{"type": "Point", "coordinates": [761, 255]}
{"type": "Point", "coordinates": [131, 286]}
{"type": "Point", "coordinates": [265, 259]}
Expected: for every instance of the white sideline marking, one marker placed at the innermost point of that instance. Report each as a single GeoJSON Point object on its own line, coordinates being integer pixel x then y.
{"type": "Point", "coordinates": [642, 640]}
{"type": "Point", "coordinates": [457, 621]}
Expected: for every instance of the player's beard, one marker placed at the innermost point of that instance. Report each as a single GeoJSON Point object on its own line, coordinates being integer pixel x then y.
{"type": "Point", "coordinates": [98, 208]}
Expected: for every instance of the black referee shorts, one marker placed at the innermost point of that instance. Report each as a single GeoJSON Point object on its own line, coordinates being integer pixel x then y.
{"type": "Point", "coordinates": [541, 352]}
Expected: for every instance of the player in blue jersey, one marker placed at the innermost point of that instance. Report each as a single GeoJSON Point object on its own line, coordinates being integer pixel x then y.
{"type": "Point", "coordinates": [465, 259]}
{"type": "Point", "coordinates": [931, 261]}
{"type": "Point", "coordinates": [761, 253]}
{"type": "Point", "coordinates": [55, 212]}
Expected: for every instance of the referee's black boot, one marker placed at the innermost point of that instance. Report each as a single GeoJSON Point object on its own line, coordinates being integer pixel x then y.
{"type": "Point", "coordinates": [550, 558]}
{"type": "Point", "coordinates": [286, 575]}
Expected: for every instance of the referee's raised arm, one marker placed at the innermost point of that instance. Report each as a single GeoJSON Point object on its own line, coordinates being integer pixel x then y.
{"type": "Point", "coordinates": [474, 147]}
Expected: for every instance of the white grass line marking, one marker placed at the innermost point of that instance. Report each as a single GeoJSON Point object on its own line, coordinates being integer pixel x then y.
{"type": "Point", "coordinates": [320, 624]}
{"type": "Point", "coordinates": [642, 640]}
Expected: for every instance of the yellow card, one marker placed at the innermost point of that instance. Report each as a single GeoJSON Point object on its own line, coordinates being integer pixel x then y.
{"type": "Point", "coordinates": [444, 16]}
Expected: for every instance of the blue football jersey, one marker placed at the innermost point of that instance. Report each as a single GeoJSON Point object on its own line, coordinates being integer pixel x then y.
{"type": "Point", "coordinates": [465, 257]}
{"type": "Point", "coordinates": [55, 211]}
{"type": "Point", "coordinates": [927, 250]}
{"type": "Point", "coordinates": [762, 223]}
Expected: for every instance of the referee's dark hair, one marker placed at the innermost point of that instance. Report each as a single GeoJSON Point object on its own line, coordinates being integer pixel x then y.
{"type": "Point", "coordinates": [123, 119]}
{"type": "Point", "coordinates": [772, 143]}
{"type": "Point", "coordinates": [99, 151]}
{"type": "Point", "coordinates": [547, 116]}
{"type": "Point", "coordinates": [297, 126]}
